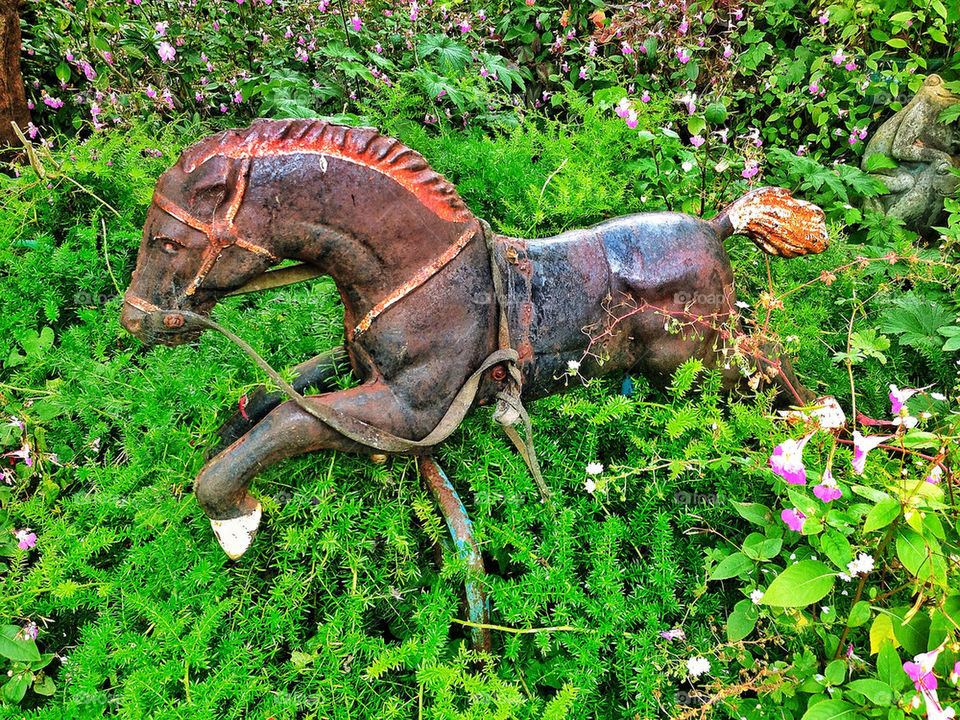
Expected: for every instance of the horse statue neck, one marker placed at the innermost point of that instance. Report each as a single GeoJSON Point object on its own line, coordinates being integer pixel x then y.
{"type": "Point", "coordinates": [363, 208]}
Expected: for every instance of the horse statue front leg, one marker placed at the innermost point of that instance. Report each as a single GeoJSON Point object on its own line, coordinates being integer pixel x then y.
{"type": "Point", "coordinates": [287, 430]}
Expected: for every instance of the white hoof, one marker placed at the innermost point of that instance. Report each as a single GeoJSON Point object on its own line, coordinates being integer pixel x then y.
{"type": "Point", "coordinates": [235, 535]}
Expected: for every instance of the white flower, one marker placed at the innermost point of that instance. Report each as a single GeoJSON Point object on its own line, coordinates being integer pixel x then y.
{"type": "Point", "coordinates": [573, 366]}
{"type": "Point", "coordinates": [687, 166]}
{"type": "Point", "coordinates": [938, 396]}
{"type": "Point", "coordinates": [756, 596]}
{"type": "Point", "coordinates": [594, 468]}
{"type": "Point", "coordinates": [741, 304]}
{"type": "Point", "coordinates": [697, 666]}
{"type": "Point", "coordinates": [843, 576]}
{"type": "Point", "coordinates": [863, 564]}
{"type": "Point", "coordinates": [590, 485]}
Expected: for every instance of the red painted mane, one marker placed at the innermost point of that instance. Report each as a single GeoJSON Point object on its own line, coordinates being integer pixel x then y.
{"type": "Point", "coordinates": [364, 146]}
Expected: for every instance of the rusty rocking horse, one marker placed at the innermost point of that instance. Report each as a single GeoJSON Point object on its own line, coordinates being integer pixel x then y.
{"type": "Point", "coordinates": [440, 313]}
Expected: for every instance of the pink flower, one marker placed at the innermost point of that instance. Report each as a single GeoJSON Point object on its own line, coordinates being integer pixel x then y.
{"type": "Point", "coordinates": [898, 398]}
{"type": "Point", "coordinates": [592, 49]}
{"type": "Point", "coordinates": [787, 460]}
{"type": "Point", "coordinates": [414, 11]}
{"type": "Point", "coordinates": [52, 101]}
{"type": "Point", "coordinates": [727, 51]}
{"type": "Point", "coordinates": [684, 26]}
{"type": "Point", "coordinates": [623, 108]}
{"type": "Point", "coordinates": [161, 28]}
{"type": "Point", "coordinates": [750, 169]}
{"type": "Point", "coordinates": [166, 51]}
{"type": "Point", "coordinates": [23, 453]}
{"type": "Point", "coordinates": [675, 634]}
{"type": "Point", "coordinates": [933, 477]}
{"type": "Point", "coordinates": [827, 490]}
{"type": "Point", "coordinates": [583, 72]}
{"type": "Point", "coordinates": [625, 48]}
{"type": "Point", "coordinates": [26, 539]}
{"type": "Point", "coordinates": [356, 23]}
{"type": "Point", "coordinates": [824, 18]}
{"type": "Point", "coordinates": [683, 56]}
{"type": "Point", "coordinates": [645, 97]}
{"type": "Point", "coordinates": [793, 518]}
{"type": "Point", "coordinates": [29, 631]}
{"type": "Point", "coordinates": [814, 88]}
{"type": "Point", "coordinates": [464, 27]}
{"type": "Point", "coordinates": [838, 57]}
{"type": "Point", "coordinates": [861, 446]}
{"type": "Point", "coordinates": [696, 141]}
{"type": "Point", "coordinates": [632, 120]}
{"type": "Point", "coordinates": [852, 65]}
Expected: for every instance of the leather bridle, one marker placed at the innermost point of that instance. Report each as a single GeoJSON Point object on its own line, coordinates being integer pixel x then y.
{"type": "Point", "coordinates": [221, 233]}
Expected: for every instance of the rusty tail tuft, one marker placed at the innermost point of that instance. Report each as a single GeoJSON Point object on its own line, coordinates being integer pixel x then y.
{"type": "Point", "coordinates": [777, 223]}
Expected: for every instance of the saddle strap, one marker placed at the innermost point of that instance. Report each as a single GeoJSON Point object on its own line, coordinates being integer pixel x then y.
{"type": "Point", "coordinates": [356, 429]}
{"type": "Point", "coordinates": [509, 407]}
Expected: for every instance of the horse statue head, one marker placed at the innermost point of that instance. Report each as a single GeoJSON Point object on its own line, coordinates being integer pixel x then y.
{"type": "Point", "coordinates": [240, 201]}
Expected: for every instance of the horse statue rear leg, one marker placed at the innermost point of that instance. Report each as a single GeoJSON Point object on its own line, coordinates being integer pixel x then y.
{"type": "Point", "coordinates": [466, 546]}
{"type": "Point", "coordinates": [288, 430]}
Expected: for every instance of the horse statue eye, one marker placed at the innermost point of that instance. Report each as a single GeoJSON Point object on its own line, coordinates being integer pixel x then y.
{"type": "Point", "coordinates": [169, 245]}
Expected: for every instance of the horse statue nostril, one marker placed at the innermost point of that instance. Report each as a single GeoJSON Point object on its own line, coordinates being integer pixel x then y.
{"type": "Point", "coordinates": [173, 320]}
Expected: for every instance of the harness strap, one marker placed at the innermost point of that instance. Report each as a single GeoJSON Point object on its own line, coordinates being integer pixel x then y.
{"type": "Point", "coordinates": [356, 429]}
{"type": "Point", "coordinates": [510, 409]}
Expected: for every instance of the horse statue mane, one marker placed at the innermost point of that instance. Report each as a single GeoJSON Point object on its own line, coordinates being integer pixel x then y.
{"type": "Point", "coordinates": [361, 145]}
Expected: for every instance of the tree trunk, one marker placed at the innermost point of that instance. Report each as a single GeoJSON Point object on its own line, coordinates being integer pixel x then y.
{"type": "Point", "coordinates": [13, 100]}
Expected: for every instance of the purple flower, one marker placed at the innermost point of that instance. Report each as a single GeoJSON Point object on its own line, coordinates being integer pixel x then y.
{"type": "Point", "coordinates": [683, 56]}
{"type": "Point", "coordinates": [166, 51]}
{"type": "Point", "coordinates": [675, 634]}
{"type": "Point", "coordinates": [697, 141]}
{"type": "Point", "coordinates": [898, 398]}
{"type": "Point", "coordinates": [625, 48]}
{"type": "Point", "coordinates": [52, 101]}
{"type": "Point", "coordinates": [583, 72]}
{"type": "Point", "coordinates": [727, 51]}
{"type": "Point", "coordinates": [464, 27]}
{"type": "Point", "coordinates": [29, 631]}
{"type": "Point", "coordinates": [827, 490]}
{"type": "Point", "coordinates": [852, 65]}
{"type": "Point", "coordinates": [933, 477]}
{"type": "Point", "coordinates": [26, 539]}
{"type": "Point", "coordinates": [787, 460]}
{"type": "Point", "coordinates": [861, 446]}
{"type": "Point", "coordinates": [356, 23]}
{"type": "Point", "coordinates": [592, 49]}
{"type": "Point", "coordinates": [793, 518]}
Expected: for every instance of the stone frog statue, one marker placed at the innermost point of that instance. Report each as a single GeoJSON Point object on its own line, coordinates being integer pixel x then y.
{"type": "Point", "coordinates": [926, 152]}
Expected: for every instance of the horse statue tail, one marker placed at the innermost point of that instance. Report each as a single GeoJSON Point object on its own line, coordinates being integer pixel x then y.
{"type": "Point", "coordinates": [777, 223]}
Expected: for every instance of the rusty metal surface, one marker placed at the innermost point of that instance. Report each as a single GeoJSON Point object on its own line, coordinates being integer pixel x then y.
{"type": "Point", "coordinates": [464, 543]}
{"type": "Point", "coordinates": [413, 272]}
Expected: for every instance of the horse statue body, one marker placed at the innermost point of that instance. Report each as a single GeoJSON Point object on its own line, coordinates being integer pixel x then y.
{"type": "Point", "coordinates": [418, 275]}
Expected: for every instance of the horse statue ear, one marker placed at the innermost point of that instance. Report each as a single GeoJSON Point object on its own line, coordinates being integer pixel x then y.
{"type": "Point", "coordinates": [213, 183]}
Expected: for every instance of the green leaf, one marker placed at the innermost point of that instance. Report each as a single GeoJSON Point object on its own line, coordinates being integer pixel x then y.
{"type": "Point", "coordinates": [800, 584]}
{"type": "Point", "coordinates": [882, 514]}
{"type": "Point", "coordinates": [15, 648]}
{"type": "Point", "coordinates": [922, 557]}
{"type": "Point", "coordinates": [716, 113]}
{"type": "Point", "coordinates": [742, 620]}
{"type": "Point", "coordinates": [754, 512]}
{"type": "Point", "coordinates": [878, 161]}
{"type": "Point", "coordinates": [63, 72]}
{"type": "Point", "coordinates": [836, 672]}
{"type": "Point", "coordinates": [16, 687]}
{"type": "Point", "coordinates": [913, 633]}
{"type": "Point", "coordinates": [859, 614]}
{"type": "Point", "coordinates": [830, 710]}
{"type": "Point", "coordinates": [889, 666]}
{"type": "Point", "coordinates": [879, 693]}
{"type": "Point", "coordinates": [731, 566]}
{"type": "Point", "coordinates": [759, 547]}
{"type": "Point", "coordinates": [837, 548]}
